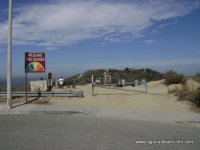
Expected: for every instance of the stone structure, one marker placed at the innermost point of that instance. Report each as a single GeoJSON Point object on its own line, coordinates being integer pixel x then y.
{"type": "Point", "coordinates": [40, 85]}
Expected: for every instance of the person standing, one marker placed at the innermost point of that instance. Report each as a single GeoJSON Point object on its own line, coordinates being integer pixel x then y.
{"type": "Point", "coordinates": [61, 81]}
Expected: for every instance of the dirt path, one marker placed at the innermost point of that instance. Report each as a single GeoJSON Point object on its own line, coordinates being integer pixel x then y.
{"type": "Point", "coordinates": [157, 99]}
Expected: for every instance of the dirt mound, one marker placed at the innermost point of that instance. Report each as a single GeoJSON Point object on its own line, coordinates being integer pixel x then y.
{"type": "Point", "coordinates": [174, 88]}
{"type": "Point", "coordinates": [192, 85]}
{"type": "Point", "coordinates": [156, 83]}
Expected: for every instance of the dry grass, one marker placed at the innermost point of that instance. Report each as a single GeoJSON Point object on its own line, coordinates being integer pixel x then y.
{"type": "Point", "coordinates": [172, 77]}
{"type": "Point", "coordinates": [192, 96]}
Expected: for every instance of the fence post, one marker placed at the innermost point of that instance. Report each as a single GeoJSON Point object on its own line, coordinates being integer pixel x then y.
{"type": "Point", "coordinates": [92, 89]}
{"type": "Point", "coordinates": [92, 80]}
{"type": "Point", "coordinates": [146, 87]}
{"type": "Point", "coordinates": [56, 82]}
{"type": "Point", "coordinates": [144, 83]}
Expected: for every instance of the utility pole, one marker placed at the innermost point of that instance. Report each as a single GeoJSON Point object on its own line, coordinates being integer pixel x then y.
{"type": "Point", "coordinates": [9, 61]}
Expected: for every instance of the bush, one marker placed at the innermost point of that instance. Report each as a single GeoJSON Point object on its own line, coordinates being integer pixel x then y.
{"type": "Point", "coordinates": [1, 89]}
{"type": "Point", "coordinates": [171, 77]}
{"type": "Point", "coordinates": [197, 77]}
{"type": "Point", "coordinates": [183, 94]}
{"type": "Point", "coordinates": [193, 96]}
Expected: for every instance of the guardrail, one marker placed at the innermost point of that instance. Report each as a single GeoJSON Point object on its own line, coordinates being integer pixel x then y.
{"type": "Point", "coordinates": [142, 83]}
{"type": "Point", "coordinates": [45, 94]}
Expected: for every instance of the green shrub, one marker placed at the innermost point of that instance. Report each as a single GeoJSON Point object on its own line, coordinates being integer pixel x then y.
{"type": "Point", "coordinates": [171, 77]}
{"type": "Point", "coordinates": [1, 89]}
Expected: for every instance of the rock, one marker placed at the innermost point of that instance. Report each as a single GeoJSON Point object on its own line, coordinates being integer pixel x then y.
{"type": "Point", "coordinates": [192, 85]}
{"type": "Point", "coordinates": [174, 88]}
{"type": "Point", "coordinates": [40, 85]}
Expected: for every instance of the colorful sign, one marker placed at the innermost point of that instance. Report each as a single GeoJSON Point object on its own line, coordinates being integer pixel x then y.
{"type": "Point", "coordinates": [34, 62]}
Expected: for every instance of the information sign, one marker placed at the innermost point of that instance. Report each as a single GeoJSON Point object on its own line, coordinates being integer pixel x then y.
{"type": "Point", "coordinates": [34, 62]}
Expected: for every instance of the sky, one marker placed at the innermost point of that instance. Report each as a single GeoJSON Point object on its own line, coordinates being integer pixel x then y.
{"type": "Point", "coordinates": [79, 35]}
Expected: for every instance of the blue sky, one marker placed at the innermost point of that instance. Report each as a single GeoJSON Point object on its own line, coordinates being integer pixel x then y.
{"type": "Point", "coordinates": [91, 34]}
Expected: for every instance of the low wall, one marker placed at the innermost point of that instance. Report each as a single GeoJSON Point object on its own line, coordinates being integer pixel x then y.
{"type": "Point", "coordinates": [40, 85]}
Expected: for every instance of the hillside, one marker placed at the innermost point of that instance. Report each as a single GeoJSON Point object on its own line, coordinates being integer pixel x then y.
{"type": "Point", "coordinates": [127, 74]}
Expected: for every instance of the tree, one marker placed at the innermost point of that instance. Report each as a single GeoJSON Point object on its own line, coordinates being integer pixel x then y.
{"type": "Point", "coordinates": [127, 70]}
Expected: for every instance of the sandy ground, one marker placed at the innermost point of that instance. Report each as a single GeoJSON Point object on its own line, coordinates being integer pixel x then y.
{"type": "Point", "coordinates": [135, 104]}
{"type": "Point", "coordinates": [157, 98]}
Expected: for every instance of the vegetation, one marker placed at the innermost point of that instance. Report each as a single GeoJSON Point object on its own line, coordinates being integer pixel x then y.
{"type": "Point", "coordinates": [183, 94]}
{"type": "Point", "coordinates": [193, 96]}
{"type": "Point", "coordinates": [1, 89]}
{"type": "Point", "coordinates": [197, 77]}
{"type": "Point", "coordinates": [84, 78]}
{"type": "Point", "coordinates": [172, 77]}
{"type": "Point", "coordinates": [128, 74]}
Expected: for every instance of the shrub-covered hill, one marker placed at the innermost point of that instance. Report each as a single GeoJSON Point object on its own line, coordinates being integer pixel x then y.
{"type": "Point", "coordinates": [128, 74]}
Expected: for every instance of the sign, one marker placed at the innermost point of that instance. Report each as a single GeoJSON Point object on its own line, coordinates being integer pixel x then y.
{"type": "Point", "coordinates": [107, 78]}
{"type": "Point", "coordinates": [34, 62]}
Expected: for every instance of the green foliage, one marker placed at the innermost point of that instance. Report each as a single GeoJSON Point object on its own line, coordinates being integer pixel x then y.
{"type": "Point", "coordinates": [127, 70]}
{"type": "Point", "coordinates": [171, 77]}
{"type": "Point", "coordinates": [129, 74]}
{"type": "Point", "coordinates": [2, 89]}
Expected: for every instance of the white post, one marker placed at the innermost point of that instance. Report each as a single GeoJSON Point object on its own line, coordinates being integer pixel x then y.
{"type": "Point", "coordinates": [9, 61]}
{"type": "Point", "coordinates": [104, 78]}
{"type": "Point", "coordinates": [56, 82]}
{"type": "Point", "coordinates": [146, 87]}
{"type": "Point", "coordinates": [92, 79]}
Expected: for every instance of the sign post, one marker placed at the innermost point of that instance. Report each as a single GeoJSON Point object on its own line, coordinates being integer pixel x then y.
{"type": "Point", "coordinates": [26, 87]}
{"type": "Point", "coordinates": [9, 61]}
{"type": "Point", "coordinates": [34, 63]}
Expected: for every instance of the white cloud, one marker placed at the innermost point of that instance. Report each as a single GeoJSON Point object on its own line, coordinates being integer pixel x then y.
{"type": "Point", "coordinates": [68, 22]}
